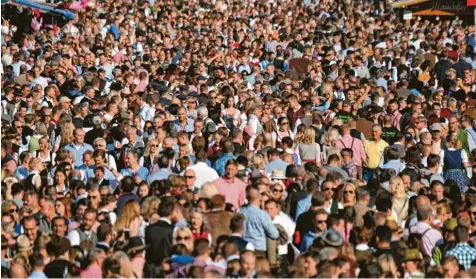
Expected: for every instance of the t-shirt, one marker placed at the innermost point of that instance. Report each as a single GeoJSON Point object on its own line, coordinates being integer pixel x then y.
{"type": "Point", "coordinates": [389, 134]}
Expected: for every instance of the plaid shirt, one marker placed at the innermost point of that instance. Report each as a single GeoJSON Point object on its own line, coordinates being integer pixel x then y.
{"type": "Point", "coordinates": [464, 253]}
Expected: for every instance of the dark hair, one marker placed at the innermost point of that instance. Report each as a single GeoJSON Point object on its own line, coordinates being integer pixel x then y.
{"type": "Point", "coordinates": [237, 222]}
{"type": "Point", "coordinates": [163, 161]}
{"type": "Point", "coordinates": [384, 233]}
{"type": "Point", "coordinates": [128, 184]}
{"type": "Point", "coordinates": [166, 207]}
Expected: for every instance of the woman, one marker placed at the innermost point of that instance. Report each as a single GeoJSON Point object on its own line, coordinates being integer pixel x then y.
{"type": "Point", "coordinates": [400, 199]}
{"type": "Point", "coordinates": [443, 213]}
{"type": "Point", "coordinates": [65, 137]}
{"type": "Point", "coordinates": [40, 131]}
{"type": "Point", "coordinates": [284, 130]}
{"type": "Point", "coordinates": [125, 264]}
{"type": "Point", "coordinates": [329, 144]}
{"type": "Point", "coordinates": [199, 225]}
{"type": "Point", "coordinates": [63, 208]}
{"type": "Point", "coordinates": [454, 159]}
{"type": "Point", "coordinates": [130, 218]}
{"type": "Point", "coordinates": [108, 204]}
{"type": "Point", "coordinates": [151, 154]}
{"type": "Point", "coordinates": [349, 218]}
{"type": "Point", "coordinates": [258, 162]}
{"type": "Point", "coordinates": [270, 127]}
{"type": "Point", "coordinates": [230, 114]}
{"type": "Point", "coordinates": [278, 191]}
{"type": "Point", "coordinates": [183, 235]}
{"type": "Point", "coordinates": [148, 207]}
{"type": "Point", "coordinates": [61, 181]}
{"type": "Point", "coordinates": [44, 153]}
{"type": "Point", "coordinates": [254, 126]}
{"type": "Point", "coordinates": [34, 180]}
{"type": "Point", "coordinates": [308, 149]}
{"type": "Point", "coordinates": [348, 195]}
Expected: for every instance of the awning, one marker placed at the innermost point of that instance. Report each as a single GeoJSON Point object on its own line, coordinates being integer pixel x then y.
{"type": "Point", "coordinates": [41, 6]}
{"type": "Point", "coordinates": [406, 3]}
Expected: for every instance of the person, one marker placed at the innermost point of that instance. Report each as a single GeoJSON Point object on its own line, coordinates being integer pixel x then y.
{"type": "Point", "coordinates": [203, 172]}
{"type": "Point", "coordinates": [275, 162]}
{"type": "Point", "coordinates": [78, 146]}
{"type": "Point", "coordinates": [230, 186]}
{"type": "Point", "coordinates": [430, 237]}
{"type": "Point", "coordinates": [320, 226]}
{"type": "Point", "coordinates": [96, 258]}
{"type": "Point", "coordinates": [454, 160]}
{"type": "Point", "coordinates": [464, 253]}
{"type": "Point", "coordinates": [258, 224]}
{"type": "Point", "coordinates": [237, 226]}
{"type": "Point", "coordinates": [374, 150]}
{"type": "Point", "coordinates": [411, 263]}
{"type": "Point", "coordinates": [85, 231]}
{"type": "Point", "coordinates": [228, 148]}
{"type": "Point", "coordinates": [219, 219]}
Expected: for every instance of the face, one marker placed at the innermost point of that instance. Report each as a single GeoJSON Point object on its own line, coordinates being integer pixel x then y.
{"type": "Point", "coordinates": [60, 177]}
{"type": "Point", "coordinates": [182, 115]}
{"type": "Point", "coordinates": [197, 127]}
{"type": "Point", "coordinates": [59, 227]}
{"type": "Point", "coordinates": [196, 221]}
{"type": "Point", "coordinates": [131, 160]}
{"type": "Point", "coordinates": [438, 191]}
{"type": "Point", "coordinates": [376, 133]}
{"type": "Point", "coordinates": [190, 178]}
{"type": "Point", "coordinates": [248, 264]}
{"type": "Point", "coordinates": [60, 208]}
{"type": "Point", "coordinates": [349, 193]}
{"type": "Point", "coordinates": [88, 221]}
{"type": "Point", "coordinates": [143, 191]}
{"type": "Point", "coordinates": [472, 214]}
{"type": "Point", "coordinates": [406, 182]}
{"type": "Point", "coordinates": [328, 190]}
{"type": "Point", "coordinates": [321, 222]}
{"type": "Point", "coordinates": [450, 270]}
{"type": "Point", "coordinates": [31, 230]}
{"type": "Point", "coordinates": [310, 266]}
{"type": "Point", "coordinates": [231, 171]}
{"type": "Point", "coordinates": [454, 124]}
{"type": "Point", "coordinates": [79, 136]}
{"type": "Point", "coordinates": [43, 144]}
{"type": "Point", "coordinates": [272, 209]}
{"type": "Point", "coordinates": [45, 207]}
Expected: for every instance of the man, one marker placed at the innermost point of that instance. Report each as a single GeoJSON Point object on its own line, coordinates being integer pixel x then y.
{"type": "Point", "coordinates": [467, 123]}
{"type": "Point", "coordinates": [47, 206]}
{"type": "Point", "coordinates": [463, 136]}
{"type": "Point", "coordinates": [275, 162]}
{"type": "Point", "coordinates": [320, 226]}
{"type": "Point", "coordinates": [219, 220]}
{"type": "Point", "coordinates": [190, 179]}
{"type": "Point", "coordinates": [30, 228]}
{"type": "Point", "coordinates": [133, 168]}
{"type": "Point", "coordinates": [183, 123]}
{"type": "Point", "coordinates": [389, 132]}
{"type": "Point", "coordinates": [230, 186]}
{"type": "Point", "coordinates": [96, 258]}
{"type": "Point", "coordinates": [294, 112]}
{"type": "Point", "coordinates": [247, 263]}
{"type": "Point", "coordinates": [311, 261]}
{"type": "Point", "coordinates": [38, 265]}
{"type": "Point", "coordinates": [431, 237]}
{"type": "Point", "coordinates": [394, 113]}
{"type": "Point", "coordinates": [158, 237]}
{"type": "Point", "coordinates": [393, 160]}
{"type": "Point", "coordinates": [361, 206]}
{"type": "Point", "coordinates": [258, 224]}
{"type": "Point", "coordinates": [463, 251]}
{"type": "Point", "coordinates": [384, 239]}
{"type": "Point", "coordinates": [228, 148]}
{"type": "Point", "coordinates": [347, 141]}
{"type": "Point", "coordinates": [78, 146]}
{"type": "Point", "coordinates": [273, 208]}
{"type": "Point", "coordinates": [163, 172]}
{"type": "Point", "coordinates": [237, 226]}
{"type": "Point", "coordinates": [411, 263]}
{"type": "Point", "coordinates": [202, 171]}
{"type": "Point", "coordinates": [334, 164]}
{"type": "Point", "coordinates": [96, 132]}
{"type": "Point", "coordinates": [85, 231]}
{"type": "Point", "coordinates": [237, 138]}
{"type": "Point", "coordinates": [450, 266]}
{"type": "Point", "coordinates": [105, 236]}
{"type": "Point", "coordinates": [374, 150]}
{"type": "Point", "coordinates": [127, 187]}
{"type": "Point", "coordinates": [131, 142]}
{"type": "Point", "coordinates": [60, 267]}
{"type": "Point", "coordinates": [437, 189]}
{"type": "Point", "coordinates": [59, 226]}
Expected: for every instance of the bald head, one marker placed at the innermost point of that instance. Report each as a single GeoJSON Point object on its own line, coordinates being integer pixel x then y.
{"type": "Point", "coordinates": [17, 271]}
{"type": "Point", "coordinates": [422, 201]}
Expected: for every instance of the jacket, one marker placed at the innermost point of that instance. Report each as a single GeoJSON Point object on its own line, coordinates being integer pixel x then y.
{"type": "Point", "coordinates": [219, 222]}
{"type": "Point", "coordinates": [158, 240]}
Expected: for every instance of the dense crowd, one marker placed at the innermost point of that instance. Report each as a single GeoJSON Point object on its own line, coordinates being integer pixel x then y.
{"type": "Point", "coordinates": [237, 139]}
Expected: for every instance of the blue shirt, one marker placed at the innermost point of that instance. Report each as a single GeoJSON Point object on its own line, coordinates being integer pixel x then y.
{"type": "Point", "coordinates": [219, 165]}
{"type": "Point", "coordinates": [78, 152]}
{"type": "Point", "coordinates": [307, 241]}
{"type": "Point", "coordinates": [258, 225]}
{"type": "Point", "coordinates": [142, 172]}
{"type": "Point", "coordinates": [37, 274]}
{"type": "Point", "coordinates": [158, 175]}
{"type": "Point", "coordinates": [20, 173]}
{"type": "Point", "coordinates": [188, 127]}
{"type": "Point", "coordinates": [397, 165]}
{"type": "Point", "coordinates": [123, 199]}
{"type": "Point", "coordinates": [276, 164]}
{"type": "Point", "coordinates": [303, 206]}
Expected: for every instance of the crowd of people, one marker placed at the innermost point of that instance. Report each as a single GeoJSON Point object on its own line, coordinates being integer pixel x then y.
{"type": "Point", "coordinates": [237, 139]}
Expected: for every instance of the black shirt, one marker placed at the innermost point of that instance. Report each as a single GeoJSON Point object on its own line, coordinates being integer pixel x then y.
{"type": "Point", "coordinates": [389, 134]}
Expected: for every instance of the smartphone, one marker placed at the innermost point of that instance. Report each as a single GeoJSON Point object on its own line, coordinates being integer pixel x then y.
{"type": "Point", "coordinates": [127, 233]}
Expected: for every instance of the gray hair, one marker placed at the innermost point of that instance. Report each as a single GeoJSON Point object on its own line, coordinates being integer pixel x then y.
{"type": "Point", "coordinates": [202, 112]}
{"type": "Point", "coordinates": [424, 212]}
{"type": "Point", "coordinates": [94, 253]}
{"type": "Point", "coordinates": [98, 140]}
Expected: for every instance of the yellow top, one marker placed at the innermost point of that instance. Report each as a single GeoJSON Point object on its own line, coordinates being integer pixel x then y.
{"type": "Point", "coordinates": [374, 152]}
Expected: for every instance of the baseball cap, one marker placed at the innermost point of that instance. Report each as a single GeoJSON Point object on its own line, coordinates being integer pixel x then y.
{"type": "Point", "coordinates": [436, 127]}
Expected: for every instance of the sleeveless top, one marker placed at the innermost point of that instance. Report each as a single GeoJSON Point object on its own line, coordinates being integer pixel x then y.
{"type": "Point", "coordinates": [83, 236]}
{"type": "Point", "coordinates": [453, 159]}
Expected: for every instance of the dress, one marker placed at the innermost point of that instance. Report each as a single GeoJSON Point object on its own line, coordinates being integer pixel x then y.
{"type": "Point", "coordinates": [454, 168]}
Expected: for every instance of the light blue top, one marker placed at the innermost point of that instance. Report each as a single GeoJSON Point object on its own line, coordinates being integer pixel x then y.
{"type": "Point", "coordinates": [258, 225]}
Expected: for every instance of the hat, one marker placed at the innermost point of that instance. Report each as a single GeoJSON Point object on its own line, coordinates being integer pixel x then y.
{"type": "Point", "coordinates": [450, 224]}
{"type": "Point", "coordinates": [277, 174]}
{"type": "Point", "coordinates": [23, 243]}
{"type": "Point", "coordinates": [332, 238]}
{"type": "Point", "coordinates": [412, 255]}
{"type": "Point", "coordinates": [444, 126]}
{"type": "Point", "coordinates": [97, 120]}
{"type": "Point", "coordinates": [135, 245]}
{"type": "Point", "coordinates": [64, 99]}
{"type": "Point", "coordinates": [436, 127]}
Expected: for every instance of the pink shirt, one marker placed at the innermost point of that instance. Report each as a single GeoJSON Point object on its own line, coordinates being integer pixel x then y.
{"type": "Point", "coordinates": [92, 271]}
{"type": "Point", "coordinates": [137, 265]}
{"type": "Point", "coordinates": [235, 193]}
{"type": "Point", "coordinates": [357, 147]}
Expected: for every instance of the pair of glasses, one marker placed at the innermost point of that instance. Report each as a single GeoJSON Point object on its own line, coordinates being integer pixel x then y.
{"type": "Point", "coordinates": [473, 213]}
{"type": "Point", "coordinates": [278, 191]}
{"type": "Point", "coordinates": [98, 145]}
{"type": "Point", "coordinates": [321, 221]}
{"type": "Point", "coordinates": [12, 210]}
{"type": "Point", "coordinates": [348, 192]}
{"type": "Point", "coordinates": [179, 238]}
{"type": "Point", "coordinates": [93, 197]}
{"type": "Point", "coordinates": [328, 189]}
{"type": "Point", "coordinates": [154, 145]}
{"type": "Point", "coordinates": [189, 177]}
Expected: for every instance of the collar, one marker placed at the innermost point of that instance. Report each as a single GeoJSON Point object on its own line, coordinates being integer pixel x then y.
{"type": "Point", "coordinates": [166, 220]}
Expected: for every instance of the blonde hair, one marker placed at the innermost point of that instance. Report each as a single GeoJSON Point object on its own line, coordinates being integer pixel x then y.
{"type": "Point", "coordinates": [67, 132]}
{"type": "Point", "coordinates": [208, 190]}
{"type": "Point", "coordinates": [330, 137]}
{"type": "Point", "coordinates": [257, 161]}
{"type": "Point", "coordinates": [125, 262]}
{"type": "Point", "coordinates": [443, 209]}
{"type": "Point", "coordinates": [149, 206]}
{"type": "Point", "coordinates": [309, 137]}
{"type": "Point", "coordinates": [397, 188]}
{"type": "Point", "coordinates": [149, 144]}
{"type": "Point", "coordinates": [130, 211]}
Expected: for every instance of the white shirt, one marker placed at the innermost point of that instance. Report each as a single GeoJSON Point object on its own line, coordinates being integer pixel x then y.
{"type": "Point", "coordinates": [289, 226]}
{"type": "Point", "coordinates": [73, 237]}
{"type": "Point", "coordinates": [203, 173]}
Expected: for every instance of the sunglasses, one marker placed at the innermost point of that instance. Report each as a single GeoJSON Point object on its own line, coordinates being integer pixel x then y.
{"type": "Point", "coordinates": [154, 145]}
{"type": "Point", "coordinates": [278, 191]}
{"type": "Point", "coordinates": [321, 221]}
{"type": "Point", "coordinates": [93, 197]}
{"type": "Point", "coordinates": [13, 210]}
{"type": "Point", "coordinates": [328, 189]}
{"type": "Point", "coordinates": [179, 238]}
{"type": "Point", "coordinates": [348, 192]}
{"type": "Point", "coordinates": [473, 213]}
{"type": "Point", "coordinates": [98, 145]}
{"type": "Point", "coordinates": [67, 169]}
{"type": "Point", "coordinates": [189, 177]}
